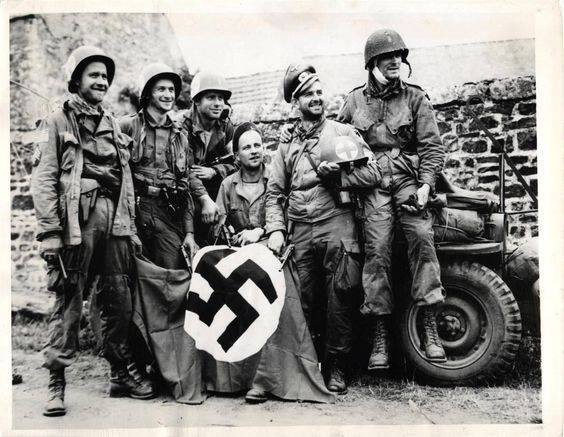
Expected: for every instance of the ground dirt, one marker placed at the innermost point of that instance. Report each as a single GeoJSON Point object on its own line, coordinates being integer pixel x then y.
{"type": "Point", "coordinates": [371, 400]}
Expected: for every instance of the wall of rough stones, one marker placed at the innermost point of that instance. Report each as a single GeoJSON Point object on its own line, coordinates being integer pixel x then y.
{"type": "Point", "coordinates": [39, 46]}
{"type": "Point", "coordinates": [472, 162]}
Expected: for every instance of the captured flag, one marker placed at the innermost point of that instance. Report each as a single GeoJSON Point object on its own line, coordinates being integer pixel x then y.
{"type": "Point", "coordinates": [235, 299]}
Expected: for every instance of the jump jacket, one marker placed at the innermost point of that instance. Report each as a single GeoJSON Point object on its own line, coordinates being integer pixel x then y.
{"type": "Point", "coordinates": [309, 199]}
{"type": "Point", "coordinates": [56, 178]}
{"type": "Point", "coordinates": [219, 146]}
{"type": "Point", "coordinates": [169, 167]}
{"type": "Point", "coordinates": [401, 119]}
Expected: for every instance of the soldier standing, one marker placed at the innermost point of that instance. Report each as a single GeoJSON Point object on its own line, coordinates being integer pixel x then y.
{"type": "Point", "coordinates": [396, 119]}
{"type": "Point", "coordinates": [320, 226]}
{"type": "Point", "coordinates": [209, 134]}
{"type": "Point", "coordinates": [160, 160]}
{"type": "Point", "coordinates": [84, 204]}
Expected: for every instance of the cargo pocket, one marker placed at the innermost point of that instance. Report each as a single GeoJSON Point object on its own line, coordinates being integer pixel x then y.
{"type": "Point", "coordinates": [401, 127]}
{"type": "Point", "coordinates": [348, 267]}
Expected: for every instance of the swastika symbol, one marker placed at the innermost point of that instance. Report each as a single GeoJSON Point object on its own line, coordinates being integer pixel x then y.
{"type": "Point", "coordinates": [346, 150]}
{"type": "Point", "coordinates": [226, 293]}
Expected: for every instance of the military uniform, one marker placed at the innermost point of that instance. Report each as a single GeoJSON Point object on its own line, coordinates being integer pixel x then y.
{"type": "Point", "coordinates": [83, 191]}
{"type": "Point", "coordinates": [160, 163]}
{"type": "Point", "coordinates": [396, 120]}
{"type": "Point", "coordinates": [321, 230]}
{"type": "Point", "coordinates": [242, 211]}
{"type": "Point", "coordinates": [209, 146]}
{"type": "Point", "coordinates": [400, 128]}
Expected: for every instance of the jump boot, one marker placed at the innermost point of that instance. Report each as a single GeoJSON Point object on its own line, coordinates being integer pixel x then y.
{"type": "Point", "coordinates": [379, 355]}
{"type": "Point", "coordinates": [128, 381]}
{"type": "Point", "coordinates": [256, 396]}
{"type": "Point", "coordinates": [432, 343]}
{"type": "Point", "coordinates": [55, 405]}
{"type": "Point", "coordinates": [335, 371]}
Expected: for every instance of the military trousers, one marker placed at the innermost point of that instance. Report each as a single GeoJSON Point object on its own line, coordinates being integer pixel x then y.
{"type": "Point", "coordinates": [329, 304]}
{"type": "Point", "coordinates": [110, 258]}
{"type": "Point", "coordinates": [381, 217]}
{"type": "Point", "coordinates": [161, 233]}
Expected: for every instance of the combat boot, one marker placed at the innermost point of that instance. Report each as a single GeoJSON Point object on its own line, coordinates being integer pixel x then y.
{"type": "Point", "coordinates": [379, 356]}
{"type": "Point", "coordinates": [256, 396]}
{"type": "Point", "coordinates": [128, 381]}
{"type": "Point", "coordinates": [336, 375]}
{"type": "Point", "coordinates": [432, 343]}
{"type": "Point", "coordinates": [55, 405]}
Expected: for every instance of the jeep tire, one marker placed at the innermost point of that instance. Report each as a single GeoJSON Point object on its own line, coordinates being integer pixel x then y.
{"type": "Point", "coordinates": [479, 324]}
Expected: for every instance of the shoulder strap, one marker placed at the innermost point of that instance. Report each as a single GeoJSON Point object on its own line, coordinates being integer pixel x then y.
{"type": "Point", "coordinates": [310, 159]}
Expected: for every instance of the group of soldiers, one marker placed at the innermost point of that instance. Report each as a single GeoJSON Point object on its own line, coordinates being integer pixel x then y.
{"type": "Point", "coordinates": [160, 184]}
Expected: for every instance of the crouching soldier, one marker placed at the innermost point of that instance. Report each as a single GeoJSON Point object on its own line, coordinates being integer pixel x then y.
{"type": "Point", "coordinates": [160, 163]}
{"type": "Point", "coordinates": [396, 120]}
{"type": "Point", "coordinates": [84, 204]}
{"type": "Point", "coordinates": [320, 225]}
{"type": "Point", "coordinates": [241, 197]}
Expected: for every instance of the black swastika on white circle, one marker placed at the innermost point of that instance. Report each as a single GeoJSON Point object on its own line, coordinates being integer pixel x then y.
{"type": "Point", "coordinates": [226, 293]}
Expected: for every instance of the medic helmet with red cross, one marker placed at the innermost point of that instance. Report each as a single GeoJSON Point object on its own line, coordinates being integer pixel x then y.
{"type": "Point", "coordinates": [343, 150]}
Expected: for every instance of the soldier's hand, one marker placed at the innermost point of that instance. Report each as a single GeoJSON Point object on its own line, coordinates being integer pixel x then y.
{"type": "Point", "coordinates": [248, 236]}
{"type": "Point", "coordinates": [210, 211]}
{"type": "Point", "coordinates": [285, 135]}
{"type": "Point", "coordinates": [327, 169]}
{"type": "Point", "coordinates": [276, 242]}
{"type": "Point", "coordinates": [422, 195]}
{"type": "Point", "coordinates": [50, 247]}
{"type": "Point", "coordinates": [203, 173]}
{"type": "Point", "coordinates": [190, 244]}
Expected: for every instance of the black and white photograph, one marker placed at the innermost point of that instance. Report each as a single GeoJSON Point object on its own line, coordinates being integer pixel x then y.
{"type": "Point", "coordinates": [284, 214]}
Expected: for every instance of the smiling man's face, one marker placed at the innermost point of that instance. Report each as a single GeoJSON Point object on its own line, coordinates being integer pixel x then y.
{"type": "Point", "coordinates": [389, 64]}
{"type": "Point", "coordinates": [93, 84]}
{"type": "Point", "coordinates": [311, 103]}
{"type": "Point", "coordinates": [210, 105]}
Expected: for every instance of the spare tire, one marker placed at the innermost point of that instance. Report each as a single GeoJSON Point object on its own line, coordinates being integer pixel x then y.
{"type": "Point", "coordinates": [479, 325]}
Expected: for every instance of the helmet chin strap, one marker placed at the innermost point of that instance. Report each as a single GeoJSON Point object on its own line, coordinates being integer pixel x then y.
{"type": "Point", "coordinates": [379, 76]}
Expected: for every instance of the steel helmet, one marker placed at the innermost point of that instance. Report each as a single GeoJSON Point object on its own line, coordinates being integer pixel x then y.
{"type": "Point", "coordinates": [297, 76]}
{"type": "Point", "coordinates": [80, 58]}
{"type": "Point", "coordinates": [342, 150]}
{"type": "Point", "coordinates": [384, 41]}
{"type": "Point", "coordinates": [151, 73]}
{"type": "Point", "coordinates": [205, 81]}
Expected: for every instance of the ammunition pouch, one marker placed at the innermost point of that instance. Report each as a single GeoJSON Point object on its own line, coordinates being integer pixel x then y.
{"type": "Point", "coordinates": [347, 275]}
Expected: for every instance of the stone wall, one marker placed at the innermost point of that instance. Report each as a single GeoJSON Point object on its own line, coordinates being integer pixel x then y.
{"type": "Point", "coordinates": [472, 162]}
{"type": "Point", "coordinates": [39, 46]}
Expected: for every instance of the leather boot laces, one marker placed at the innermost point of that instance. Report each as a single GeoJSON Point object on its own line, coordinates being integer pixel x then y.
{"type": "Point", "coordinates": [379, 337]}
{"type": "Point", "coordinates": [430, 323]}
